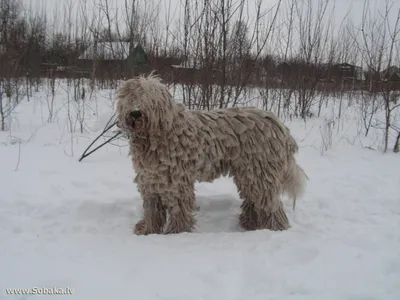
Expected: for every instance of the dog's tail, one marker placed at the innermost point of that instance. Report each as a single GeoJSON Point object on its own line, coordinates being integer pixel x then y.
{"type": "Point", "coordinates": [295, 181]}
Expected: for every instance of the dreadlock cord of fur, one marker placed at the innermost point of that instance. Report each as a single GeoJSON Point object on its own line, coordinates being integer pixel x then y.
{"type": "Point", "coordinates": [173, 147]}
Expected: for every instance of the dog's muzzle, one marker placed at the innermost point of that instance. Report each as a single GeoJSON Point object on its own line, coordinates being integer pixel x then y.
{"type": "Point", "coordinates": [130, 119]}
{"type": "Point", "coordinates": [133, 117]}
{"type": "Point", "coordinates": [136, 114]}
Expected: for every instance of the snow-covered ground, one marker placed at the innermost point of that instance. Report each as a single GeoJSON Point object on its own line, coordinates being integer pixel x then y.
{"type": "Point", "coordinates": [68, 224]}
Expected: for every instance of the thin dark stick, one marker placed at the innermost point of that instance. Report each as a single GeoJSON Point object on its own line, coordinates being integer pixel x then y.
{"type": "Point", "coordinates": [107, 128]}
{"type": "Point", "coordinates": [101, 134]}
{"type": "Point", "coordinates": [84, 155]}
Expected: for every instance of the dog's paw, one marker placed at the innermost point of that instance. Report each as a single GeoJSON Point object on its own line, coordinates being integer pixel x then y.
{"type": "Point", "coordinates": [140, 228]}
{"type": "Point", "coordinates": [143, 228]}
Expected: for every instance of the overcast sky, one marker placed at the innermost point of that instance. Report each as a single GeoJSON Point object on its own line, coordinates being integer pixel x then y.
{"type": "Point", "coordinates": [342, 7]}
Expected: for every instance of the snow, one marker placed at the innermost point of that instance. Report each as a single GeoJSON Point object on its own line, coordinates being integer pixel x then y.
{"type": "Point", "coordinates": [65, 223]}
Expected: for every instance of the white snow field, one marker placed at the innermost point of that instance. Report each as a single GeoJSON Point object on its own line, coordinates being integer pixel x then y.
{"type": "Point", "coordinates": [68, 224]}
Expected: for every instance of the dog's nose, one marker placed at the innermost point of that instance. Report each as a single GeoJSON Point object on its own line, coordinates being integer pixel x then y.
{"type": "Point", "coordinates": [136, 114]}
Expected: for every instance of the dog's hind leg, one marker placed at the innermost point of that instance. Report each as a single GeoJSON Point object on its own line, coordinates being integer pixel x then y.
{"type": "Point", "coordinates": [180, 203]}
{"type": "Point", "coordinates": [261, 207]}
{"type": "Point", "coordinates": [248, 218]}
{"type": "Point", "coordinates": [154, 213]}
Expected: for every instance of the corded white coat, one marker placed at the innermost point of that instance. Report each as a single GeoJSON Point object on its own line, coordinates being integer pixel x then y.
{"type": "Point", "coordinates": [173, 147]}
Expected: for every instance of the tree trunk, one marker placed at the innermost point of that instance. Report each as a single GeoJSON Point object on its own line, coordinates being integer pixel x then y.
{"type": "Point", "coordinates": [396, 148]}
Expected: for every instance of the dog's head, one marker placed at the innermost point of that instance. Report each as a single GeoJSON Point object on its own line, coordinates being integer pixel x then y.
{"type": "Point", "coordinates": [144, 105]}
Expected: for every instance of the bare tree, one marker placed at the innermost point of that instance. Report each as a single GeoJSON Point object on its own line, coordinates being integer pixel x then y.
{"type": "Point", "coordinates": [12, 32]}
{"type": "Point", "coordinates": [313, 30]}
{"type": "Point", "coordinates": [378, 40]}
{"type": "Point", "coordinates": [220, 59]}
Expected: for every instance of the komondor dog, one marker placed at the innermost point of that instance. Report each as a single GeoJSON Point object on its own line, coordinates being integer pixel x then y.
{"type": "Point", "coordinates": [173, 147]}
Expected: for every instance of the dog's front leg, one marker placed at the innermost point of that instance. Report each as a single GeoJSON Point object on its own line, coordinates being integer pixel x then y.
{"type": "Point", "coordinates": [154, 213]}
{"type": "Point", "coordinates": [180, 203]}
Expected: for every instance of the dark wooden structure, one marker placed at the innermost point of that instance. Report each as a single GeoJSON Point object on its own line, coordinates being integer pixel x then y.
{"type": "Point", "coordinates": [110, 58]}
{"type": "Point", "coordinates": [391, 74]}
{"type": "Point", "coordinates": [345, 71]}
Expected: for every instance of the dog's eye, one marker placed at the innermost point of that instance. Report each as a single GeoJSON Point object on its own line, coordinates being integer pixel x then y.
{"type": "Point", "coordinates": [136, 114]}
